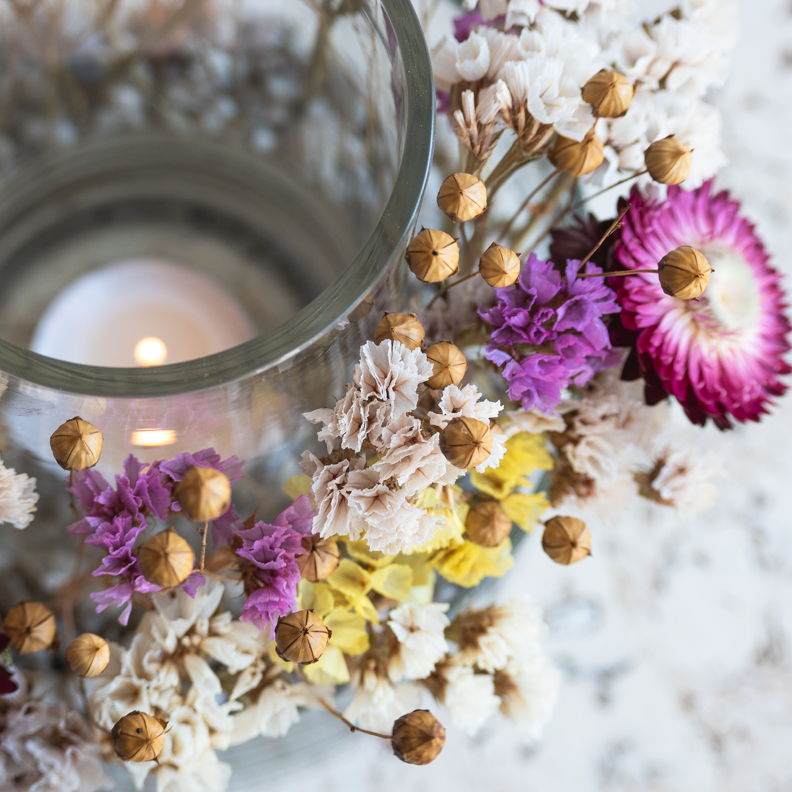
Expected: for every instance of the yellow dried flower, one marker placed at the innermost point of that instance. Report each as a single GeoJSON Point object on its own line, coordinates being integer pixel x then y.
{"type": "Point", "coordinates": [418, 737]}
{"type": "Point", "coordinates": [31, 627]}
{"type": "Point", "coordinates": [578, 158]}
{"type": "Point", "coordinates": [449, 365]}
{"type": "Point", "coordinates": [462, 197]}
{"type": "Point", "coordinates": [166, 559]}
{"type": "Point", "coordinates": [76, 444]}
{"type": "Point", "coordinates": [566, 540]}
{"type": "Point", "coordinates": [301, 637]}
{"type": "Point", "coordinates": [402, 327]}
{"type": "Point", "coordinates": [468, 564]}
{"type": "Point", "coordinates": [487, 524]}
{"type": "Point", "coordinates": [684, 273]}
{"type": "Point", "coordinates": [433, 255]}
{"type": "Point", "coordinates": [138, 737]}
{"type": "Point", "coordinates": [320, 558]}
{"type": "Point", "coordinates": [88, 655]}
{"type": "Point", "coordinates": [609, 94]}
{"type": "Point", "coordinates": [204, 494]}
{"type": "Point", "coordinates": [499, 266]}
{"type": "Point", "coordinates": [466, 442]}
{"type": "Point", "coordinates": [668, 160]}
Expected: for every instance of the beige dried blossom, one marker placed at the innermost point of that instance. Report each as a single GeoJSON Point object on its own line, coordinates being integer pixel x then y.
{"type": "Point", "coordinates": [462, 197]}
{"type": "Point", "coordinates": [18, 497]}
{"type": "Point", "coordinates": [433, 256]}
{"type": "Point", "coordinates": [668, 160]}
{"type": "Point", "coordinates": [578, 158]}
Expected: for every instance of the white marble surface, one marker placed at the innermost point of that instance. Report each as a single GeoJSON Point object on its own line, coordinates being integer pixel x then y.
{"type": "Point", "coordinates": [675, 637]}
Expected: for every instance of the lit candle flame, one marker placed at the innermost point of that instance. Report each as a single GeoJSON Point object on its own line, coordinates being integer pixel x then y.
{"type": "Point", "coordinates": [150, 351]}
{"type": "Point", "coordinates": [151, 438]}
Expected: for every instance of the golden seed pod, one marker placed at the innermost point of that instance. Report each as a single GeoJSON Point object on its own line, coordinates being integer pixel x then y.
{"type": "Point", "coordinates": [466, 442]}
{"type": "Point", "coordinates": [566, 540]}
{"type": "Point", "coordinates": [609, 94]}
{"type": "Point", "coordinates": [31, 627]}
{"type": "Point", "coordinates": [577, 158]}
{"type": "Point", "coordinates": [418, 737]}
{"type": "Point", "coordinates": [487, 524]}
{"type": "Point", "coordinates": [301, 637]}
{"type": "Point", "coordinates": [320, 559]}
{"type": "Point", "coordinates": [88, 655]}
{"type": "Point", "coordinates": [401, 327]}
{"type": "Point", "coordinates": [684, 273]}
{"type": "Point", "coordinates": [138, 737]}
{"type": "Point", "coordinates": [204, 494]}
{"type": "Point", "coordinates": [668, 160]}
{"type": "Point", "coordinates": [76, 444]}
{"type": "Point", "coordinates": [433, 256]}
{"type": "Point", "coordinates": [499, 266]}
{"type": "Point", "coordinates": [449, 365]}
{"type": "Point", "coordinates": [462, 197]}
{"type": "Point", "coordinates": [166, 559]}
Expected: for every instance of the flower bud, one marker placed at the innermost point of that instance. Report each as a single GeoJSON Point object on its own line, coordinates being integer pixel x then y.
{"type": "Point", "coordinates": [668, 160]}
{"type": "Point", "coordinates": [433, 256]}
{"type": "Point", "coordinates": [418, 737]}
{"type": "Point", "coordinates": [320, 558]}
{"type": "Point", "coordinates": [31, 627]}
{"type": "Point", "coordinates": [401, 327]}
{"type": "Point", "coordinates": [138, 737]}
{"type": "Point", "coordinates": [76, 444]}
{"type": "Point", "coordinates": [301, 637]}
{"type": "Point", "coordinates": [499, 266]}
{"type": "Point", "coordinates": [166, 559]}
{"type": "Point", "coordinates": [449, 365]}
{"type": "Point", "coordinates": [684, 273]}
{"type": "Point", "coordinates": [487, 524]}
{"type": "Point", "coordinates": [88, 655]}
{"type": "Point", "coordinates": [466, 442]}
{"type": "Point", "coordinates": [462, 197]}
{"type": "Point", "coordinates": [609, 94]}
{"type": "Point", "coordinates": [204, 494]}
{"type": "Point", "coordinates": [566, 540]}
{"type": "Point", "coordinates": [578, 158]}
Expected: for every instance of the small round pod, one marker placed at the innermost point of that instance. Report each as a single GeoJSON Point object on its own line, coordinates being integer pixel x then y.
{"type": "Point", "coordinates": [609, 94]}
{"type": "Point", "coordinates": [684, 273]}
{"type": "Point", "coordinates": [578, 158]}
{"type": "Point", "coordinates": [487, 524]}
{"type": "Point", "coordinates": [433, 255]}
{"type": "Point", "coordinates": [301, 637]}
{"type": "Point", "coordinates": [449, 365]}
{"type": "Point", "coordinates": [320, 559]}
{"type": "Point", "coordinates": [76, 444]}
{"type": "Point", "coordinates": [499, 266]}
{"type": "Point", "coordinates": [566, 540]}
{"type": "Point", "coordinates": [668, 160]}
{"type": "Point", "coordinates": [166, 559]}
{"type": "Point", "coordinates": [88, 655]}
{"type": "Point", "coordinates": [31, 627]}
{"type": "Point", "coordinates": [402, 327]}
{"type": "Point", "coordinates": [138, 737]}
{"type": "Point", "coordinates": [204, 494]}
{"type": "Point", "coordinates": [462, 197]}
{"type": "Point", "coordinates": [466, 442]}
{"type": "Point", "coordinates": [418, 737]}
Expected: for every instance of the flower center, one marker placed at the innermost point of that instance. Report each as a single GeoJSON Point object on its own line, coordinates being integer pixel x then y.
{"type": "Point", "coordinates": [732, 296]}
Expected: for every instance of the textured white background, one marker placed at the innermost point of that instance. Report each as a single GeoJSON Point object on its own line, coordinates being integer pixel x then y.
{"type": "Point", "coordinates": [675, 637]}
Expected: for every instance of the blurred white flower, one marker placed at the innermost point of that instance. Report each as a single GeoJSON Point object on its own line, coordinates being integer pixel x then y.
{"type": "Point", "coordinates": [420, 632]}
{"type": "Point", "coordinates": [18, 497]}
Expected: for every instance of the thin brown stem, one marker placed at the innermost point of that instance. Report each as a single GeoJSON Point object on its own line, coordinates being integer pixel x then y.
{"type": "Point", "coordinates": [616, 274]}
{"type": "Point", "coordinates": [203, 532]}
{"type": "Point", "coordinates": [561, 185]}
{"type": "Point", "coordinates": [351, 725]}
{"type": "Point", "coordinates": [450, 286]}
{"type": "Point", "coordinates": [72, 504]}
{"type": "Point", "coordinates": [613, 226]}
{"type": "Point", "coordinates": [604, 190]}
{"type": "Point", "coordinates": [508, 227]}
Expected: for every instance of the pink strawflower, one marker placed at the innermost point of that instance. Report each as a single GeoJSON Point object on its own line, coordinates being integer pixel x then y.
{"type": "Point", "coordinates": [720, 355]}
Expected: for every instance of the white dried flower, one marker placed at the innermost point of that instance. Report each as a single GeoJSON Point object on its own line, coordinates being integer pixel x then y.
{"type": "Point", "coordinates": [420, 632]}
{"type": "Point", "coordinates": [273, 713]}
{"type": "Point", "coordinates": [378, 702]}
{"type": "Point", "coordinates": [348, 421]}
{"type": "Point", "coordinates": [454, 61]}
{"type": "Point", "coordinates": [18, 497]}
{"type": "Point", "coordinates": [469, 697]}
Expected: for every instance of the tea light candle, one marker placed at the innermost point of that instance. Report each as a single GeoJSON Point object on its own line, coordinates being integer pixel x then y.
{"type": "Point", "coordinates": [143, 312]}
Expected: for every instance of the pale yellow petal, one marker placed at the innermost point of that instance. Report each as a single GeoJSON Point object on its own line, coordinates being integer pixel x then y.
{"type": "Point", "coordinates": [470, 563]}
{"type": "Point", "coordinates": [329, 669]}
{"type": "Point", "coordinates": [393, 581]}
{"type": "Point", "coordinates": [350, 579]}
{"type": "Point", "coordinates": [298, 485]}
{"type": "Point", "coordinates": [525, 509]}
{"type": "Point", "coordinates": [349, 631]}
{"type": "Point", "coordinates": [317, 597]}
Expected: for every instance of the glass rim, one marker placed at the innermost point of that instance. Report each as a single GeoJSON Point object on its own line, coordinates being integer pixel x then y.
{"type": "Point", "coordinates": [314, 320]}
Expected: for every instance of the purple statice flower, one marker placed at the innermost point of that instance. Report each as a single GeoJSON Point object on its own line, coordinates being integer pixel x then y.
{"type": "Point", "coordinates": [272, 575]}
{"type": "Point", "coordinates": [548, 332]}
{"type": "Point", "coordinates": [121, 595]}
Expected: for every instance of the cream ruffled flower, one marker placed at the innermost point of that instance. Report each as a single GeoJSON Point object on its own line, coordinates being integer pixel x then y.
{"type": "Point", "coordinates": [18, 497]}
{"type": "Point", "coordinates": [469, 697]}
{"type": "Point", "coordinates": [420, 632]}
{"type": "Point", "coordinates": [378, 702]}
